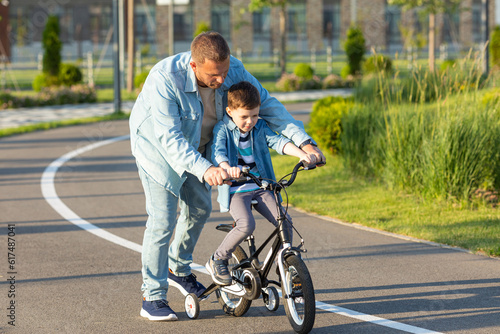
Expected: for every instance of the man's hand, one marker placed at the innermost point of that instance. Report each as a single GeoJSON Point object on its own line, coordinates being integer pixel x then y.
{"type": "Point", "coordinates": [311, 149]}
{"type": "Point", "coordinates": [309, 159]}
{"type": "Point", "coordinates": [215, 176]}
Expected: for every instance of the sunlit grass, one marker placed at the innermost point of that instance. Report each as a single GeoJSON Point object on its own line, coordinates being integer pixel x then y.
{"type": "Point", "coordinates": [332, 191]}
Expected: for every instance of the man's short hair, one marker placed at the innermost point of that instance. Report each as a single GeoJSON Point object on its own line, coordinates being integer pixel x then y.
{"type": "Point", "coordinates": [243, 95]}
{"type": "Point", "coordinates": [209, 45]}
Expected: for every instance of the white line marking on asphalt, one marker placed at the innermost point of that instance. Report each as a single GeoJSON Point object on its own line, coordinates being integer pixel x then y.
{"type": "Point", "coordinates": [50, 195]}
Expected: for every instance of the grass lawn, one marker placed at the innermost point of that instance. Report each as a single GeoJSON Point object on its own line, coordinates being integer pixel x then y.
{"type": "Point", "coordinates": [333, 192]}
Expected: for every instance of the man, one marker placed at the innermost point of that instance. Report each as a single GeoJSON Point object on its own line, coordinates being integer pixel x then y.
{"type": "Point", "coordinates": [170, 126]}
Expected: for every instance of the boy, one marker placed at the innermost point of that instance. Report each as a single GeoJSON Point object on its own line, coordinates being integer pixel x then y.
{"type": "Point", "coordinates": [241, 139]}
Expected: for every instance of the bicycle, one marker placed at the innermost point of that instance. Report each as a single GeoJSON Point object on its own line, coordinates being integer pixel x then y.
{"type": "Point", "coordinates": [250, 277]}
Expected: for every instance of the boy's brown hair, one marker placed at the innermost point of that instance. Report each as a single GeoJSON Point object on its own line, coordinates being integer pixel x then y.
{"type": "Point", "coordinates": [243, 95]}
{"type": "Point", "coordinates": [209, 45]}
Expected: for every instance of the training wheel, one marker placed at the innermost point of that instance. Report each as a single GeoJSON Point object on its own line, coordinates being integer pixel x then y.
{"type": "Point", "coordinates": [192, 306]}
{"type": "Point", "coordinates": [272, 301]}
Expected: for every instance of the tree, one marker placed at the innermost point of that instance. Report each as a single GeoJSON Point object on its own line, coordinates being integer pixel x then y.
{"type": "Point", "coordinates": [52, 46]}
{"type": "Point", "coordinates": [355, 49]}
{"type": "Point", "coordinates": [430, 7]}
{"type": "Point", "coordinates": [258, 5]}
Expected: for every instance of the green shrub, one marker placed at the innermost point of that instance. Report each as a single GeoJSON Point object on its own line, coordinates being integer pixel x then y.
{"type": "Point", "coordinates": [378, 63]}
{"type": "Point", "coordinates": [355, 49]}
{"type": "Point", "coordinates": [345, 71]}
{"type": "Point", "coordinates": [52, 47]}
{"type": "Point", "coordinates": [52, 95]}
{"type": "Point", "coordinates": [303, 70]}
{"type": "Point", "coordinates": [70, 75]}
{"type": "Point", "coordinates": [325, 125]}
{"type": "Point", "coordinates": [447, 64]}
{"type": "Point", "coordinates": [288, 83]}
{"type": "Point", "coordinates": [291, 83]}
{"type": "Point", "coordinates": [67, 95]}
{"type": "Point", "coordinates": [201, 27]}
{"type": "Point", "coordinates": [491, 98]}
{"type": "Point", "coordinates": [308, 84]}
{"type": "Point", "coordinates": [44, 80]}
{"type": "Point", "coordinates": [6, 100]}
{"type": "Point", "coordinates": [140, 79]}
{"type": "Point", "coordinates": [495, 47]}
{"type": "Point", "coordinates": [332, 81]}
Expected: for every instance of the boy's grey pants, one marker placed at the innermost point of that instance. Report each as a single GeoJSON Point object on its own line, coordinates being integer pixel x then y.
{"type": "Point", "coordinates": [240, 208]}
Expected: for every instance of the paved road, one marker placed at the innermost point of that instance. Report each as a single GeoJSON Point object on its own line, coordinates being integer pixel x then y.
{"type": "Point", "coordinates": [68, 280]}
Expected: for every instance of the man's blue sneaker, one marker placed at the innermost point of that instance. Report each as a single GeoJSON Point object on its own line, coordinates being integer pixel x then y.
{"type": "Point", "coordinates": [186, 284]}
{"type": "Point", "coordinates": [157, 310]}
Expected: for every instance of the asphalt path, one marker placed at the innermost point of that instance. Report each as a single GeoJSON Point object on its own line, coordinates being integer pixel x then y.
{"type": "Point", "coordinates": [74, 207]}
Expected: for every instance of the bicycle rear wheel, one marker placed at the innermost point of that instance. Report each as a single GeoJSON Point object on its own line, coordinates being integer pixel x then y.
{"type": "Point", "coordinates": [300, 304]}
{"type": "Point", "coordinates": [232, 304]}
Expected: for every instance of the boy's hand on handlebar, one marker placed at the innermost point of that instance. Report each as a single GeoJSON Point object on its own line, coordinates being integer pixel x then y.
{"type": "Point", "coordinates": [234, 172]}
{"type": "Point", "coordinates": [320, 158]}
{"type": "Point", "coordinates": [215, 176]}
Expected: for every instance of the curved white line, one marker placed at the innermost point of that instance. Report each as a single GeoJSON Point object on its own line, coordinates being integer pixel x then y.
{"type": "Point", "coordinates": [50, 195]}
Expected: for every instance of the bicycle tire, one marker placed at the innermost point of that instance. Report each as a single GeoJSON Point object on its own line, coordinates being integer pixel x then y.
{"type": "Point", "coordinates": [232, 304]}
{"type": "Point", "coordinates": [300, 307]}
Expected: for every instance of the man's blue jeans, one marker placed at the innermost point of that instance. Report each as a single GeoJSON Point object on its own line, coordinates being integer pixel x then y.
{"type": "Point", "coordinates": [161, 205]}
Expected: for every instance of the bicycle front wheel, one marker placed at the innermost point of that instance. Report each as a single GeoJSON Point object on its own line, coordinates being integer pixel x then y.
{"type": "Point", "coordinates": [300, 303]}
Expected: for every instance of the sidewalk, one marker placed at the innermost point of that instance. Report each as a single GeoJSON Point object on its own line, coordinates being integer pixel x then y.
{"type": "Point", "coordinates": [12, 118]}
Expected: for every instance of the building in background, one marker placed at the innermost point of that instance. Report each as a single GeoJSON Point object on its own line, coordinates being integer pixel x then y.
{"type": "Point", "coordinates": [86, 26]}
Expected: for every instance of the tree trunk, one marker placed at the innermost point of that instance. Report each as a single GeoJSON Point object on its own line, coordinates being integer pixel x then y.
{"type": "Point", "coordinates": [432, 43]}
{"type": "Point", "coordinates": [283, 38]}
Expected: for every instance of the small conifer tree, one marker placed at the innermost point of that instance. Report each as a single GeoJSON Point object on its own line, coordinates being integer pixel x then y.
{"type": "Point", "coordinates": [355, 49]}
{"type": "Point", "coordinates": [52, 47]}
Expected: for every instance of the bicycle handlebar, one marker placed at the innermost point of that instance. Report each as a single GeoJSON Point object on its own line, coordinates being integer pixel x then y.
{"type": "Point", "coordinates": [247, 176]}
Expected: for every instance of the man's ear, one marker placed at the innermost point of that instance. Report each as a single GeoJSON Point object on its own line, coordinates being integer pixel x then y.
{"type": "Point", "coordinates": [228, 111]}
{"type": "Point", "coordinates": [193, 65]}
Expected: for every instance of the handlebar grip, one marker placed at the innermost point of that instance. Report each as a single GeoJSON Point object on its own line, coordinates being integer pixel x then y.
{"type": "Point", "coordinates": [240, 179]}
{"type": "Point", "coordinates": [306, 166]}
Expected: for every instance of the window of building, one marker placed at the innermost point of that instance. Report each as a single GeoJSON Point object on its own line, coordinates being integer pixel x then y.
{"type": "Point", "coordinates": [66, 28]}
{"type": "Point", "coordinates": [296, 25]}
{"type": "Point", "coordinates": [261, 24]}
{"type": "Point", "coordinates": [101, 17]}
{"type": "Point", "coordinates": [20, 33]}
{"type": "Point", "coordinates": [477, 9]}
{"type": "Point", "coordinates": [183, 23]}
{"type": "Point", "coordinates": [393, 20]}
{"type": "Point", "coordinates": [331, 19]}
{"type": "Point", "coordinates": [144, 23]}
{"type": "Point", "coordinates": [221, 18]}
{"type": "Point", "coordinates": [451, 22]}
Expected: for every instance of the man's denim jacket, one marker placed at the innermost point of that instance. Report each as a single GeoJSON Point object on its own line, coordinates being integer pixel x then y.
{"type": "Point", "coordinates": [225, 148]}
{"type": "Point", "coordinates": [165, 123]}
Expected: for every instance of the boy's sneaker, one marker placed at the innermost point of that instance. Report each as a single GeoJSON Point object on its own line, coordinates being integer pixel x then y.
{"type": "Point", "coordinates": [186, 284]}
{"type": "Point", "coordinates": [219, 272]}
{"type": "Point", "coordinates": [157, 310]}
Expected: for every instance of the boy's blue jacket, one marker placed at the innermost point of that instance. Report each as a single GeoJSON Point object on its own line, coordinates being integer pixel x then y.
{"type": "Point", "coordinates": [225, 148]}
